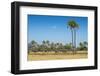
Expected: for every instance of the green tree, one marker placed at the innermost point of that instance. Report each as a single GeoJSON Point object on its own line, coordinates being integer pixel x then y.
{"type": "Point", "coordinates": [48, 42]}
{"type": "Point", "coordinates": [68, 46]}
{"type": "Point", "coordinates": [73, 27]}
{"type": "Point", "coordinates": [43, 46]}
{"type": "Point", "coordinates": [34, 45]}
{"type": "Point", "coordinates": [83, 45]}
{"type": "Point", "coordinates": [43, 42]}
{"type": "Point", "coordinates": [47, 45]}
{"type": "Point", "coordinates": [52, 47]}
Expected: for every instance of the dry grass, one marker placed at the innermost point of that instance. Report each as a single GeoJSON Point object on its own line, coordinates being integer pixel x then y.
{"type": "Point", "coordinates": [56, 56]}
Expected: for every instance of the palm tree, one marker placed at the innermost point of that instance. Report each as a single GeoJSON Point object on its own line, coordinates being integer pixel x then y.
{"type": "Point", "coordinates": [73, 27]}
{"type": "Point", "coordinates": [44, 45]}
{"type": "Point", "coordinates": [47, 43]}
{"type": "Point", "coordinates": [85, 43]}
{"type": "Point", "coordinates": [67, 46]}
{"type": "Point", "coordinates": [33, 42]}
{"type": "Point", "coordinates": [52, 46]}
{"type": "Point", "coordinates": [81, 45]}
{"type": "Point", "coordinates": [43, 42]}
{"type": "Point", "coordinates": [60, 45]}
{"type": "Point", "coordinates": [34, 45]}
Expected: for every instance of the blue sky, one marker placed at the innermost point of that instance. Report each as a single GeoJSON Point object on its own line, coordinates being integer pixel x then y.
{"type": "Point", "coordinates": [54, 28]}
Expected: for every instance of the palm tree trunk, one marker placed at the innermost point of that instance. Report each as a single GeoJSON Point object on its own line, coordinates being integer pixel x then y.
{"type": "Point", "coordinates": [72, 39]}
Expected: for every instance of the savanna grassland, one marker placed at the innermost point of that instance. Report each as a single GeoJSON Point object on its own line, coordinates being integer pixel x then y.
{"type": "Point", "coordinates": [56, 51]}
{"type": "Point", "coordinates": [52, 56]}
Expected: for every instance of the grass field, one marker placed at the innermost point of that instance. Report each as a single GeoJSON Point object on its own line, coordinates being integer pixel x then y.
{"type": "Point", "coordinates": [56, 56]}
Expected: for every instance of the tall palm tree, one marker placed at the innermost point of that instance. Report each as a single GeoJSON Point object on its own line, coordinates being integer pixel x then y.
{"type": "Point", "coordinates": [73, 27]}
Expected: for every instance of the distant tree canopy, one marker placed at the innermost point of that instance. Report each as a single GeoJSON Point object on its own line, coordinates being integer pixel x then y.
{"type": "Point", "coordinates": [83, 45]}
{"type": "Point", "coordinates": [48, 46]}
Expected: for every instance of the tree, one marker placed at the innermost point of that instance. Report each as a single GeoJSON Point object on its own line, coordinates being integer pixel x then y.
{"type": "Point", "coordinates": [73, 27]}
{"type": "Point", "coordinates": [47, 42]}
{"type": "Point", "coordinates": [68, 46]}
{"type": "Point", "coordinates": [48, 45]}
{"type": "Point", "coordinates": [34, 45]}
{"type": "Point", "coordinates": [83, 45]}
{"type": "Point", "coordinates": [53, 47]}
{"type": "Point", "coordinates": [43, 46]}
{"type": "Point", "coordinates": [33, 42]}
{"type": "Point", "coordinates": [29, 47]}
{"type": "Point", "coordinates": [43, 42]}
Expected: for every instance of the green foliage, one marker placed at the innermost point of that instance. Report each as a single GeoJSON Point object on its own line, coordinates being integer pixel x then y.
{"type": "Point", "coordinates": [72, 24]}
{"type": "Point", "coordinates": [68, 46]}
{"type": "Point", "coordinates": [46, 46]}
{"type": "Point", "coordinates": [83, 45]}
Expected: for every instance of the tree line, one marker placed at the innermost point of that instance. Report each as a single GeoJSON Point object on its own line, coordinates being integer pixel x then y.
{"type": "Point", "coordinates": [48, 46]}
